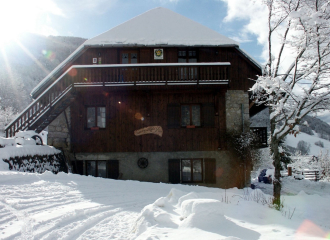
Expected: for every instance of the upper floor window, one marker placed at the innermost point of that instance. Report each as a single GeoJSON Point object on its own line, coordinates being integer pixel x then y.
{"type": "Point", "coordinates": [128, 57]}
{"type": "Point", "coordinates": [187, 56]}
{"type": "Point", "coordinates": [96, 117]}
{"type": "Point", "coordinates": [191, 115]}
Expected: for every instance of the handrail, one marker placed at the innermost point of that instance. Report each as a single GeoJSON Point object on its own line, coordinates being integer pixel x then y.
{"type": "Point", "coordinates": [119, 75]}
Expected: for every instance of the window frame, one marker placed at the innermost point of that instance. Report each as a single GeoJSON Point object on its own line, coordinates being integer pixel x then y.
{"type": "Point", "coordinates": [95, 117]}
{"type": "Point", "coordinates": [110, 165]}
{"type": "Point", "coordinates": [191, 115]}
{"type": "Point", "coordinates": [191, 170]}
{"type": "Point", "coordinates": [187, 57]}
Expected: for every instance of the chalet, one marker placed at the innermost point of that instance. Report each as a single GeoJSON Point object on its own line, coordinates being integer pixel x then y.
{"type": "Point", "coordinates": [152, 99]}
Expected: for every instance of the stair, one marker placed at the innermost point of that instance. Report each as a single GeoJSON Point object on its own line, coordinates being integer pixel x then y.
{"type": "Point", "coordinates": [52, 114]}
{"type": "Point", "coordinates": [40, 113]}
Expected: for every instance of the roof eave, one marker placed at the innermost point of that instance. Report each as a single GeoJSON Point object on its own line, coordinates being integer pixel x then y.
{"type": "Point", "coordinates": [160, 45]}
{"type": "Point", "coordinates": [255, 62]}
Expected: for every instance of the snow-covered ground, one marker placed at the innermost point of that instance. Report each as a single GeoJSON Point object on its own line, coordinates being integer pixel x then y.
{"type": "Point", "coordinates": [68, 206]}
{"type": "Point", "coordinates": [292, 141]}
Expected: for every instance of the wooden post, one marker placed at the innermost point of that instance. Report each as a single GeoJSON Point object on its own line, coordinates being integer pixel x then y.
{"type": "Point", "coordinates": [289, 171]}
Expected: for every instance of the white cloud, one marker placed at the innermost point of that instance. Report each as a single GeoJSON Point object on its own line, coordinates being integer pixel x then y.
{"type": "Point", "coordinates": [255, 15]}
{"type": "Point", "coordinates": [241, 38]}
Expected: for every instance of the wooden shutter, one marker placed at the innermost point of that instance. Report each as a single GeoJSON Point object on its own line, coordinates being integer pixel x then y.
{"type": "Point", "coordinates": [210, 169]}
{"type": "Point", "coordinates": [113, 169]}
{"type": "Point", "coordinates": [173, 115]}
{"type": "Point", "coordinates": [208, 115]}
{"type": "Point", "coordinates": [174, 170]}
{"type": "Point", "coordinates": [78, 167]}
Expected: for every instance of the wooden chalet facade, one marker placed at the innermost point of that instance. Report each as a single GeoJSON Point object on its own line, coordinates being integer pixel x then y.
{"type": "Point", "coordinates": [147, 109]}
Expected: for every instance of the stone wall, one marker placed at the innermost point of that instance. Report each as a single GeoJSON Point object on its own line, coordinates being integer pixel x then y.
{"type": "Point", "coordinates": [234, 101]}
{"type": "Point", "coordinates": [58, 132]}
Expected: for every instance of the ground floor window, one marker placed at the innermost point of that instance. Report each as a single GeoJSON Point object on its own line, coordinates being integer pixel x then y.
{"type": "Point", "coordinates": [198, 170]}
{"type": "Point", "coordinates": [192, 170]}
{"type": "Point", "coordinates": [97, 168]}
{"type": "Point", "coordinates": [104, 169]}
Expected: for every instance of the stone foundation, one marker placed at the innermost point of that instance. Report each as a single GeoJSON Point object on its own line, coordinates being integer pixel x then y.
{"type": "Point", "coordinates": [58, 132]}
{"type": "Point", "coordinates": [229, 172]}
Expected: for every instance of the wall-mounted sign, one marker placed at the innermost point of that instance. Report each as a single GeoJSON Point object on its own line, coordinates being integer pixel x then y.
{"type": "Point", "coordinates": [158, 54]}
{"type": "Point", "coordinates": [158, 130]}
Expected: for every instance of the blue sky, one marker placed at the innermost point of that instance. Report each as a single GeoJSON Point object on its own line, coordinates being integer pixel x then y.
{"type": "Point", "coordinates": [89, 18]}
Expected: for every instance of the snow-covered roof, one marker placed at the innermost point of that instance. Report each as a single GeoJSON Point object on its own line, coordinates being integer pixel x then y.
{"type": "Point", "coordinates": [161, 27]}
{"type": "Point", "coordinates": [156, 27]}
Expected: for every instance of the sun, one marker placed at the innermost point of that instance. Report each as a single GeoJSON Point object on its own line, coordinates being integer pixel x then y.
{"type": "Point", "coordinates": [19, 16]}
{"type": "Point", "coordinates": [15, 18]}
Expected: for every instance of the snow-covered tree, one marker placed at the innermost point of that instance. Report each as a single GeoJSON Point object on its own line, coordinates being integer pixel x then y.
{"type": "Point", "coordinates": [296, 79]}
{"type": "Point", "coordinates": [6, 115]}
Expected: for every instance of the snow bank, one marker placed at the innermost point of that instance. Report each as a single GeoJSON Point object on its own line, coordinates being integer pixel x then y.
{"type": "Point", "coordinates": [27, 150]}
{"type": "Point", "coordinates": [7, 142]}
{"type": "Point", "coordinates": [232, 214]}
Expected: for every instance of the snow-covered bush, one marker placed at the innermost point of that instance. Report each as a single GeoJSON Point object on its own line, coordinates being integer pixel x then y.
{"type": "Point", "coordinates": [324, 162]}
{"type": "Point", "coordinates": [304, 147]}
{"type": "Point", "coordinates": [320, 144]}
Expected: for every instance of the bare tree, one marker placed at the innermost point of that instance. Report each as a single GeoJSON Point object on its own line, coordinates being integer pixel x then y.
{"type": "Point", "coordinates": [292, 89]}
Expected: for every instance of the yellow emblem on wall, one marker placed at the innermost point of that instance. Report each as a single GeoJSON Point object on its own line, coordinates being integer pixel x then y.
{"type": "Point", "coordinates": [158, 53]}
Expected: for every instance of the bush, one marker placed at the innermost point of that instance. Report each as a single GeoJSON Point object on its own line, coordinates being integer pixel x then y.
{"type": "Point", "coordinates": [303, 147]}
{"type": "Point", "coordinates": [320, 144]}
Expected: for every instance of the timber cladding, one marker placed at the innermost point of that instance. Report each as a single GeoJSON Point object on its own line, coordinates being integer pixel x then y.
{"type": "Point", "coordinates": [128, 111]}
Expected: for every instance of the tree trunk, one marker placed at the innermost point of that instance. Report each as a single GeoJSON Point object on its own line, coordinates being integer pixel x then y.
{"type": "Point", "coordinates": [277, 164]}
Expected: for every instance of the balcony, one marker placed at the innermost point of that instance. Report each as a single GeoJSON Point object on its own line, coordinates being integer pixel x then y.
{"type": "Point", "coordinates": [149, 74]}
{"type": "Point", "coordinates": [59, 94]}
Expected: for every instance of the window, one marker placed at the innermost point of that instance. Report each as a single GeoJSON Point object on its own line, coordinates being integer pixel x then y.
{"type": "Point", "coordinates": [187, 56]}
{"type": "Point", "coordinates": [128, 57]}
{"type": "Point", "coordinates": [191, 115]}
{"type": "Point", "coordinates": [192, 170]}
{"type": "Point", "coordinates": [96, 117]}
{"type": "Point", "coordinates": [184, 115]}
{"type": "Point", "coordinates": [104, 169]}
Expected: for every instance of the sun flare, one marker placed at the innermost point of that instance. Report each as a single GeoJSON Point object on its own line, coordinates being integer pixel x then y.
{"type": "Point", "coordinates": [19, 16]}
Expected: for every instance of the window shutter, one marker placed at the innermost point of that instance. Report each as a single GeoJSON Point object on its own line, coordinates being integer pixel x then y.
{"type": "Point", "coordinates": [210, 169]}
{"type": "Point", "coordinates": [173, 115]}
{"type": "Point", "coordinates": [113, 169]}
{"type": "Point", "coordinates": [78, 167]}
{"type": "Point", "coordinates": [208, 115]}
{"type": "Point", "coordinates": [174, 170]}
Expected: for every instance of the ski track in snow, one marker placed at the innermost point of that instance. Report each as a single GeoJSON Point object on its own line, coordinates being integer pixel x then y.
{"type": "Point", "coordinates": [64, 210]}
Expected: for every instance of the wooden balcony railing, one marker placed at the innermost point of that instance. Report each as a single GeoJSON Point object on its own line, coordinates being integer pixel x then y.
{"type": "Point", "coordinates": [150, 74]}
{"type": "Point", "coordinates": [117, 75]}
